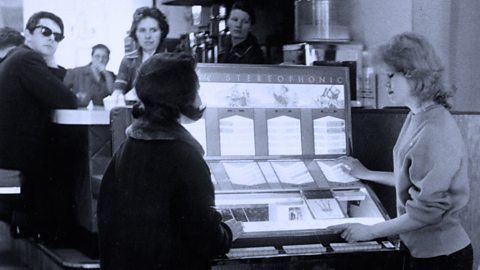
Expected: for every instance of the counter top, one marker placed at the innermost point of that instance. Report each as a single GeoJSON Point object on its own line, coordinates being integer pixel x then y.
{"type": "Point", "coordinates": [82, 116]}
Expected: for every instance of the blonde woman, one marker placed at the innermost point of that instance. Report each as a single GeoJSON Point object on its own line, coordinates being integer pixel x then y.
{"type": "Point", "coordinates": [430, 162]}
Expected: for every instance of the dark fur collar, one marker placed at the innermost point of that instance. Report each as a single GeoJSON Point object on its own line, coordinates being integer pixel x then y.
{"type": "Point", "coordinates": [142, 129]}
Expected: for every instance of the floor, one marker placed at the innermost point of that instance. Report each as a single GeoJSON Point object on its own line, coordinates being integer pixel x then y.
{"type": "Point", "coordinates": [7, 259]}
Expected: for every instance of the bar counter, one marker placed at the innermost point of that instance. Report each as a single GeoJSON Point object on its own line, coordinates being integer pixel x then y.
{"type": "Point", "coordinates": [82, 116]}
{"type": "Point", "coordinates": [82, 139]}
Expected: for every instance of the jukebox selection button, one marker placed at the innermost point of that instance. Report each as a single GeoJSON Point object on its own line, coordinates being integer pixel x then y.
{"type": "Point", "coordinates": [304, 249]}
{"type": "Point", "coordinates": [359, 246]}
{"type": "Point", "coordinates": [251, 252]}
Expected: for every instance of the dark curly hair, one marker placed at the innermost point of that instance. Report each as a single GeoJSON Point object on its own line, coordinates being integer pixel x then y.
{"type": "Point", "coordinates": [167, 85]}
{"type": "Point", "coordinates": [153, 12]}
{"type": "Point", "coordinates": [10, 37]}
{"type": "Point", "coordinates": [411, 54]}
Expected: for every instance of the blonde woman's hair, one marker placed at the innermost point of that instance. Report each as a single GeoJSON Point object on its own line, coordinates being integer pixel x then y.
{"type": "Point", "coordinates": [411, 54]}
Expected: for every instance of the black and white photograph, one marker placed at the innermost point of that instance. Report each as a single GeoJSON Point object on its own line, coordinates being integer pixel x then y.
{"type": "Point", "coordinates": [239, 134]}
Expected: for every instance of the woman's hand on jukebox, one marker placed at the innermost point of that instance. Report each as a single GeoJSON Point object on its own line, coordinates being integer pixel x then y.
{"type": "Point", "coordinates": [353, 167]}
{"type": "Point", "coordinates": [236, 227]}
{"type": "Point", "coordinates": [353, 232]}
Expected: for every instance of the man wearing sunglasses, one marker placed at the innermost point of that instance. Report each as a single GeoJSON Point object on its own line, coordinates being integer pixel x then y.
{"type": "Point", "coordinates": [31, 87]}
{"type": "Point", "coordinates": [43, 33]}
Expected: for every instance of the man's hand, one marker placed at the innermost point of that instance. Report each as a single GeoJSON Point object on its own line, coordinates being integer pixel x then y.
{"type": "Point", "coordinates": [98, 68]}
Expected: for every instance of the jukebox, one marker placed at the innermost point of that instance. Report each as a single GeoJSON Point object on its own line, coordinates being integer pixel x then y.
{"type": "Point", "coordinates": [272, 135]}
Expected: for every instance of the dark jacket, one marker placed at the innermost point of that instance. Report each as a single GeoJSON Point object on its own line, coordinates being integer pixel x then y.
{"type": "Point", "coordinates": [156, 204]}
{"type": "Point", "coordinates": [246, 52]}
{"type": "Point", "coordinates": [129, 67]}
{"type": "Point", "coordinates": [127, 72]}
{"type": "Point", "coordinates": [29, 91]}
{"type": "Point", "coordinates": [82, 80]}
{"type": "Point", "coordinates": [58, 71]}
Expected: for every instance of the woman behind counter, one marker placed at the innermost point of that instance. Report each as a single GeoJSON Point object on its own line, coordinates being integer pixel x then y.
{"type": "Point", "coordinates": [156, 202]}
{"type": "Point", "coordinates": [149, 29]}
{"type": "Point", "coordinates": [240, 46]}
{"type": "Point", "coordinates": [430, 162]}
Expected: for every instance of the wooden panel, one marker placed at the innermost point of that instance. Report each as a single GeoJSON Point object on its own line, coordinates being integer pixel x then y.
{"type": "Point", "coordinates": [374, 133]}
{"type": "Point", "coordinates": [470, 128]}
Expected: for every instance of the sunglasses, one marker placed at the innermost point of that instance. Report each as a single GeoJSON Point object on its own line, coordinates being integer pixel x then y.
{"type": "Point", "coordinates": [48, 32]}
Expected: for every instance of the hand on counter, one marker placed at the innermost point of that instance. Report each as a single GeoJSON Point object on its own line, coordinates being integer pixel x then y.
{"type": "Point", "coordinates": [117, 94]}
{"type": "Point", "coordinates": [83, 99]}
{"type": "Point", "coordinates": [115, 99]}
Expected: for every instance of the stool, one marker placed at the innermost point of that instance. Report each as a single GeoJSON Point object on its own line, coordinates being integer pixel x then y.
{"type": "Point", "coordinates": [10, 190]}
{"type": "Point", "coordinates": [10, 181]}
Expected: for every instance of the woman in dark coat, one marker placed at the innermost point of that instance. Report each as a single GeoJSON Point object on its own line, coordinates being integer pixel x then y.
{"type": "Point", "coordinates": [156, 203]}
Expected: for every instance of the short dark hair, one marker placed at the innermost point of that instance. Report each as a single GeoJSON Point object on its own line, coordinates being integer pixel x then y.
{"type": "Point", "coordinates": [100, 46]}
{"type": "Point", "coordinates": [10, 37]}
{"type": "Point", "coordinates": [155, 13]}
{"type": "Point", "coordinates": [35, 18]}
{"type": "Point", "coordinates": [167, 85]}
{"type": "Point", "coordinates": [246, 7]}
